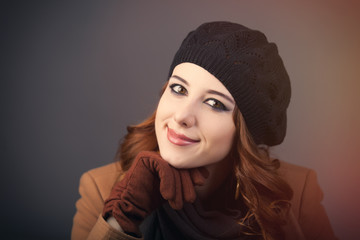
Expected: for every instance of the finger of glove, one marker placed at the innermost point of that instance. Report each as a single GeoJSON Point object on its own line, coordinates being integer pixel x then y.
{"type": "Point", "coordinates": [167, 180]}
{"type": "Point", "coordinates": [188, 190]}
{"type": "Point", "coordinates": [199, 175]}
{"type": "Point", "coordinates": [160, 168]}
{"type": "Point", "coordinates": [177, 201]}
{"type": "Point", "coordinates": [129, 179]}
{"type": "Point", "coordinates": [140, 175]}
{"type": "Point", "coordinates": [150, 160]}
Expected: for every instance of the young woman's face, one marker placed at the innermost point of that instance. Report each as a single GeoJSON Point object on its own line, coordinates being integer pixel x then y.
{"type": "Point", "coordinates": [194, 119]}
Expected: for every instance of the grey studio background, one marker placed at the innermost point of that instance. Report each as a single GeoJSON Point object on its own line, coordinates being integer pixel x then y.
{"type": "Point", "coordinates": [75, 74]}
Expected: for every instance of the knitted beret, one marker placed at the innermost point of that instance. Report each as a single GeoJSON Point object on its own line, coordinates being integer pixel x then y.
{"type": "Point", "coordinates": [250, 68]}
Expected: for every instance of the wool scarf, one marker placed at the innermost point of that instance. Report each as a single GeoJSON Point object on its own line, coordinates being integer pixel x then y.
{"type": "Point", "coordinates": [194, 222]}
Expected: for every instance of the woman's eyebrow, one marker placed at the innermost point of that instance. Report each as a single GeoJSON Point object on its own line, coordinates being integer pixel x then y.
{"type": "Point", "coordinates": [180, 79]}
{"type": "Point", "coordinates": [209, 91]}
{"type": "Point", "coordinates": [222, 95]}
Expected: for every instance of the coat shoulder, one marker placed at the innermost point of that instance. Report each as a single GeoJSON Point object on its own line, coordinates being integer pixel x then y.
{"type": "Point", "coordinates": [297, 177]}
{"type": "Point", "coordinates": [290, 168]}
{"type": "Point", "coordinates": [307, 199]}
{"type": "Point", "coordinates": [104, 177]}
{"type": "Point", "coordinates": [95, 186]}
{"type": "Point", "coordinates": [106, 170]}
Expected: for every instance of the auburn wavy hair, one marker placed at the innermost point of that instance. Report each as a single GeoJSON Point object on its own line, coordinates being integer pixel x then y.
{"type": "Point", "coordinates": [266, 195]}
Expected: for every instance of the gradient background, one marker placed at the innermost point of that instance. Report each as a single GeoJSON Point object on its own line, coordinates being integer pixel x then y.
{"type": "Point", "coordinates": [74, 75]}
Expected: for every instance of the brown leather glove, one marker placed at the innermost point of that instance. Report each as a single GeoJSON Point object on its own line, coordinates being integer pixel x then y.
{"type": "Point", "coordinates": [146, 185]}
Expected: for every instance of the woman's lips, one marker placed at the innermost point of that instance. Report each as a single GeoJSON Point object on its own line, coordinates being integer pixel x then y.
{"type": "Point", "coordinates": [179, 139]}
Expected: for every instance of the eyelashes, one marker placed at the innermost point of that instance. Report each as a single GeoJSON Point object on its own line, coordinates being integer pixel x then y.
{"type": "Point", "coordinates": [178, 89]}
{"type": "Point", "coordinates": [215, 104]}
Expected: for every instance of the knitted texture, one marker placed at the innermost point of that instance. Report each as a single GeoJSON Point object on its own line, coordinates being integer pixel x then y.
{"type": "Point", "coordinates": [146, 185]}
{"type": "Point", "coordinates": [250, 68]}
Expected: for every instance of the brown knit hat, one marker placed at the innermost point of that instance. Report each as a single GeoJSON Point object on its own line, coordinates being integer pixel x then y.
{"type": "Point", "coordinates": [250, 68]}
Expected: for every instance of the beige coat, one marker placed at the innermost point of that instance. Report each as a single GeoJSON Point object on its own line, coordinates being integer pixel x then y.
{"type": "Point", "coordinates": [308, 219]}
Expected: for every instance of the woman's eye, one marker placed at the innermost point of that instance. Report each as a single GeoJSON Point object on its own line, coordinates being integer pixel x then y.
{"type": "Point", "coordinates": [216, 104]}
{"type": "Point", "coordinates": [178, 89]}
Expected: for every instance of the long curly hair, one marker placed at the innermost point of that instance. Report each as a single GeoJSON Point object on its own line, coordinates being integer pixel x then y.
{"type": "Point", "coordinates": [266, 195]}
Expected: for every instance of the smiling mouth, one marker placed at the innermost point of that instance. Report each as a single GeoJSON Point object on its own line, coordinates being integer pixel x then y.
{"type": "Point", "coordinates": [179, 139]}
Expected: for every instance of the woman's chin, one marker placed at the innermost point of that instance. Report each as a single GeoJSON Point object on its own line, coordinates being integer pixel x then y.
{"type": "Point", "coordinates": [177, 164]}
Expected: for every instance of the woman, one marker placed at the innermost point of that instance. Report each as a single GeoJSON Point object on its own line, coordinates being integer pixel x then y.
{"type": "Point", "coordinates": [199, 167]}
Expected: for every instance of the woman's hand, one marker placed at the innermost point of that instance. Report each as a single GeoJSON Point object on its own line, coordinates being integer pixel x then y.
{"type": "Point", "coordinates": [146, 185]}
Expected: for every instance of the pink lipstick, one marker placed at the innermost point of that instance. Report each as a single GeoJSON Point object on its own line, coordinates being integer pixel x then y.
{"type": "Point", "coordinates": [179, 139]}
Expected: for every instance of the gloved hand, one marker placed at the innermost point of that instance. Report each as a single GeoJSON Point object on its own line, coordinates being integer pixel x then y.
{"type": "Point", "coordinates": [146, 185]}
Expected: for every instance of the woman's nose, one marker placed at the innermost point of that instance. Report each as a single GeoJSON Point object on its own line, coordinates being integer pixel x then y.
{"type": "Point", "coordinates": [185, 115]}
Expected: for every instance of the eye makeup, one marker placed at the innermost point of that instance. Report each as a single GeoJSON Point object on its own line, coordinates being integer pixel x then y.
{"type": "Point", "coordinates": [214, 103]}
